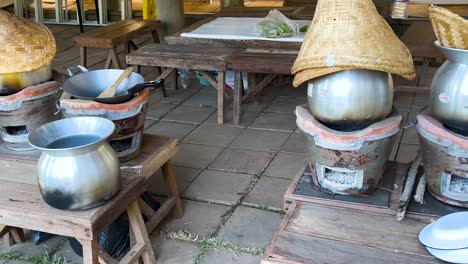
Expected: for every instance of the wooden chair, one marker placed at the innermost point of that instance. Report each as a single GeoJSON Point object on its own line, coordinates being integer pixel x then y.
{"type": "Point", "coordinates": [110, 37]}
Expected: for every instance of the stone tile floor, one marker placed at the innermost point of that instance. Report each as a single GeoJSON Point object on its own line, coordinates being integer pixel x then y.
{"type": "Point", "coordinates": [231, 178]}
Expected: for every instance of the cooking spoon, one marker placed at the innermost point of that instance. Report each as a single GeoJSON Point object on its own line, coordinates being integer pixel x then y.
{"type": "Point", "coordinates": [110, 92]}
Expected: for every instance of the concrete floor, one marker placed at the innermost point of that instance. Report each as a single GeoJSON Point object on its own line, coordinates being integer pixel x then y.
{"type": "Point", "coordinates": [232, 178]}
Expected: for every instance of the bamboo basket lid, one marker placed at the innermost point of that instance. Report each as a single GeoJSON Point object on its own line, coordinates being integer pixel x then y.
{"type": "Point", "coordinates": [350, 34]}
{"type": "Point", "coordinates": [26, 46]}
{"type": "Point", "coordinates": [450, 29]}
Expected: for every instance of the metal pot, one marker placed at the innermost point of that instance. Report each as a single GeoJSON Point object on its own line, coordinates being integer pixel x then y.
{"type": "Point", "coordinates": [89, 84]}
{"type": "Point", "coordinates": [77, 169]}
{"type": "Point", "coordinates": [354, 98]}
{"type": "Point", "coordinates": [14, 82]}
{"type": "Point", "coordinates": [449, 94]}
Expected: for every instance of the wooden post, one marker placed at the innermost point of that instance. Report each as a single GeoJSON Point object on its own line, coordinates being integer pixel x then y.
{"type": "Point", "coordinates": [171, 15]}
{"type": "Point", "coordinates": [227, 3]}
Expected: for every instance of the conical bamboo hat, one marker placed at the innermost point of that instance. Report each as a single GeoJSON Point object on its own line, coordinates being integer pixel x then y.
{"type": "Point", "coordinates": [25, 45]}
{"type": "Point", "coordinates": [451, 29]}
{"type": "Point", "coordinates": [350, 34]}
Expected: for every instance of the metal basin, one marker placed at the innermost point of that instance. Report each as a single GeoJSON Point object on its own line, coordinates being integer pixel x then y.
{"type": "Point", "coordinates": [355, 97]}
{"type": "Point", "coordinates": [449, 232]}
{"type": "Point", "coordinates": [77, 169]}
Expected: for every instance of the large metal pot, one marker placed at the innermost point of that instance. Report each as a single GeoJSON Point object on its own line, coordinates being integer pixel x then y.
{"type": "Point", "coordinates": [77, 169]}
{"type": "Point", "coordinates": [14, 82]}
{"type": "Point", "coordinates": [449, 95]}
{"type": "Point", "coordinates": [354, 98]}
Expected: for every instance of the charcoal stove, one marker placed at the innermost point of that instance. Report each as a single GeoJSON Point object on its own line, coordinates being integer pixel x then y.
{"type": "Point", "coordinates": [445, 158]}
{"type": "Point", "coordinates": [128, 117]}
{"type": "Point", "coordinates": [24, 111]}
{"type": "Point", "coordinates": [347, 162]}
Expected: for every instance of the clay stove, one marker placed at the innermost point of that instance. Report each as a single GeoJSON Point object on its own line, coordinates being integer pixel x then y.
{"type": "Point", "coordinates": [128, 117]}
{"type": "Point", "coordinates": [24, 111]}
{"type": "Point", "coordinates": [347, 162]}
{"type": "Point", "coordinates": [445, 158]}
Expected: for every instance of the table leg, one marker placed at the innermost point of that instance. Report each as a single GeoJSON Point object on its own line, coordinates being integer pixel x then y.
{"type": "Point", "coordinates": [83, 56]}
{"type": "Point", "coordinates": [170, 180]}
{"type": "Point", "coordinates": [108, 60]}
{"type": "Point", "coordinates": [90, 251]}
{"type": "Point", "coordinates": [236, 102]}
{"type": "Point", "coordinates": [138, 228]}
{"type": "Point", "coordinates": [115, 59]}
{"type": "Point", "coordinates": [220, 83]}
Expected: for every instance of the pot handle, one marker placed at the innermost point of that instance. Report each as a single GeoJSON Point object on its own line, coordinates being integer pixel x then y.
{"type": "Point", "coordinates": [77, 67]}
{"type": "Point", "coordinates": [139, 87]}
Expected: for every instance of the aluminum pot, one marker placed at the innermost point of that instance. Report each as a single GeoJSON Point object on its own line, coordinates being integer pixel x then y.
{"type": "Point", "coordinates": [449, 96]}
{"type": "Point", "coordinates": [11, 83]}
{"type": "Point", "coordinates": [355, 98]}
{"type": "Point", "coordinates": [77, 169]}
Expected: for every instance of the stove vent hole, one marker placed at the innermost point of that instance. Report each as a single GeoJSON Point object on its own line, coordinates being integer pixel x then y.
{"type": "Point", "coordinates": [16, 130]}
{"type": "Point", "coordinates": [339, 177]}
{"type": "Point", "coordinates": [121, 144]}
{"type": "Point", "coordinates": [459, 185]}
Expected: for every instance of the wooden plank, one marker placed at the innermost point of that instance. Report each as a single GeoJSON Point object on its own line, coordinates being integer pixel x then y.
{"type": "Point", "coordinates": [155, 151]}
{"type": "Point", "coordinates": [278, 61]}
{"type": "Point", "coordinates": [359, 227]}
{"type": "Point", "coordinates": [162, 212]}
{"type": "Point", "coordinates": [300, 248]}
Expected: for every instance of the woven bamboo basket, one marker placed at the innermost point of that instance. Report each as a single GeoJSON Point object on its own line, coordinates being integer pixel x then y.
{"type": "Point", "coordinates": [451, 29]}
{"type": "Point", "coordinates": [26, 46]}
{"type": "Point", "coordinates": [350, 34]}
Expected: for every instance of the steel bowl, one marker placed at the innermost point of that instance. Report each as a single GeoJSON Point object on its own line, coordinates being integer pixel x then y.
{"type": "Point", "coordinates": [353, 97]}
{"type": "Point", "coordinates": [449, 232]}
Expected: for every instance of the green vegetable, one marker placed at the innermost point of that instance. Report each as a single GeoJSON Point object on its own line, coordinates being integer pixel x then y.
{"type": "Point", "coordinates": [304, 29]}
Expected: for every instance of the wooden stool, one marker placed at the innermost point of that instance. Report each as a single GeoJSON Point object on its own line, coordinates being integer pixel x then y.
{"type": "Point", "coordinates": [202, 59]}
{"type": "Point", "coordinates": [109, 37]}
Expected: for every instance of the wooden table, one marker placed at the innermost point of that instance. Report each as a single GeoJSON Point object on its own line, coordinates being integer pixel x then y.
{"type": "Point", "coordinates": [21, 204]}
{"type": "Point", "coordinates": [191, 57]}
{"type": "Point", "coordinates": [111, 36]}
{"type": "Point", "coordinates": [292, 12]}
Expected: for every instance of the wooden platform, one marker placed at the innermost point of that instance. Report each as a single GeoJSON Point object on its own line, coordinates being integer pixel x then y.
{"type": "Point", "coordinates": [319, 234]}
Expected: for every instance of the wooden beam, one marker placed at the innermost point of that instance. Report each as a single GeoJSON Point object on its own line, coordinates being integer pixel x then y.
{"type": "Point", "coordinates": [229, 3]}
{"type": "Point", "coordinates": [171, 15]}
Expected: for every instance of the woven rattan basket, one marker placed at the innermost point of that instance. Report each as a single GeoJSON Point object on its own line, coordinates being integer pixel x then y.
{"type": "Point", "coordinates": [451, 29]}
{"type": "Point", "coordinates": [25, 45]}
{"type": "Point", "coordinates": [350, 34]}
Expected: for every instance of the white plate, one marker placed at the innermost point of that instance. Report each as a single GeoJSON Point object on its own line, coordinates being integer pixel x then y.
{"type": "Point", "coordinates": [459, 256]}
{"type": "Point", "coordinates": [449, 232]}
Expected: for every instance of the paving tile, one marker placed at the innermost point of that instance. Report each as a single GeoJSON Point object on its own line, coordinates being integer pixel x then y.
{"type": "Point", "coordinates": [261, 140]}
{"type": "Point", "coordinates": [242, 161]}
{"type": "Point", "coordinates": [410, 136]}
{"type": "Point", "coordinates": [171, 129]}
{"type": "Point", "coordinates": [403, 111]}
{"type": "Point", "coordinates": [218, 186]}
{"type": "Point", "coordinates": [407, 153]}
{"type": "Point", "coordinates": [275, 121]}
{"type": "Point", "coordinates": [214, 135]}
{"type": "Point", "coordinates": [158, 110]}
{"type": "Point", "coordinates": [251, 227]}
{"type": "Point", "coordinates": [286, 165]}
{"type": "Point", "coordinates": [286, 91]}
{"type": "Point", "coordinates": [173, 96]}
{"type": "Point", "coordinates": [257, 103]}
{"type": "Point", "coordinates": [421, 99]}
{"type": "Point", "coordinates": [169, 251]}
{"type": "Point", "coordinates": [396, 146]}
{"type": "Point", "coordinates": [403, 99]}
{"type": "Point", "coordinates": [214, 256]}
{"type": "Point", "coordinates": [67, 252]}
{"type": "Point", "coordinates": [245, 119]}
{"type": "Point", "coordinates": [268, 191]}
{"type": "Point", "coordinates": [196, 156]}
{"type": "Point", "coordinates": [285, 105]}
{"type": "Point", "coordinates": [189, 114]}
{"type": "Point", "coordinates": [295, 144]}
{"type": "Point", "coordinates": [184, 176]}
{"type": "Point", "coordinates": [149, 123]}
{"type": "Point", "coordinates": [203, 99]}
{"type": "Point", "coordinates": [199, 217]}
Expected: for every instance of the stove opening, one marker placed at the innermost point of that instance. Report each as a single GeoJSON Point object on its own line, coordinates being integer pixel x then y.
{"type": "Point", "coordinates": [458, 131]}
{"type": "Point", "coordinates": [454, 187]}
{"type": "Point", "coordinates": [15, 130]}
{"type": "Point", "coordinates": [345, 127]}
{"type": "Point", "coordinates": [121, 144]}
{"type": "Point", "coordinates": [459, 184]}
{"type": "Point", "coordinates": [339, 177]}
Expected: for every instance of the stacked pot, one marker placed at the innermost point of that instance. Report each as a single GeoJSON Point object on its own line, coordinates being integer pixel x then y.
{"type": "Point", "coordinates": [347, 59]}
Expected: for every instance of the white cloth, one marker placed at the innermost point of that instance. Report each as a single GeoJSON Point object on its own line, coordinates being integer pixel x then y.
{"type": "Point", "coordinates": [238, 28]}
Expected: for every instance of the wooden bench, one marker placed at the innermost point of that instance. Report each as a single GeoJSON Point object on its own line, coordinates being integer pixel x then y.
{"type": "Point", "coordinates": [21, 205]}
{"type": "Point", "coordinates": [200, 58]}
{"type": "Point", "coordinates": [110, 37]}
{"type": "Point", "coordinates": [269, 61]}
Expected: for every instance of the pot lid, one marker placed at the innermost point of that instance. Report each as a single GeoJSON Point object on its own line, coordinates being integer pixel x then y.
{"type": "Point", "coordinates": [449, 232]}
{"type": "Point", "coordinates": [26, 46]}
{"type": "Point", "coordinates": [450, 255]}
